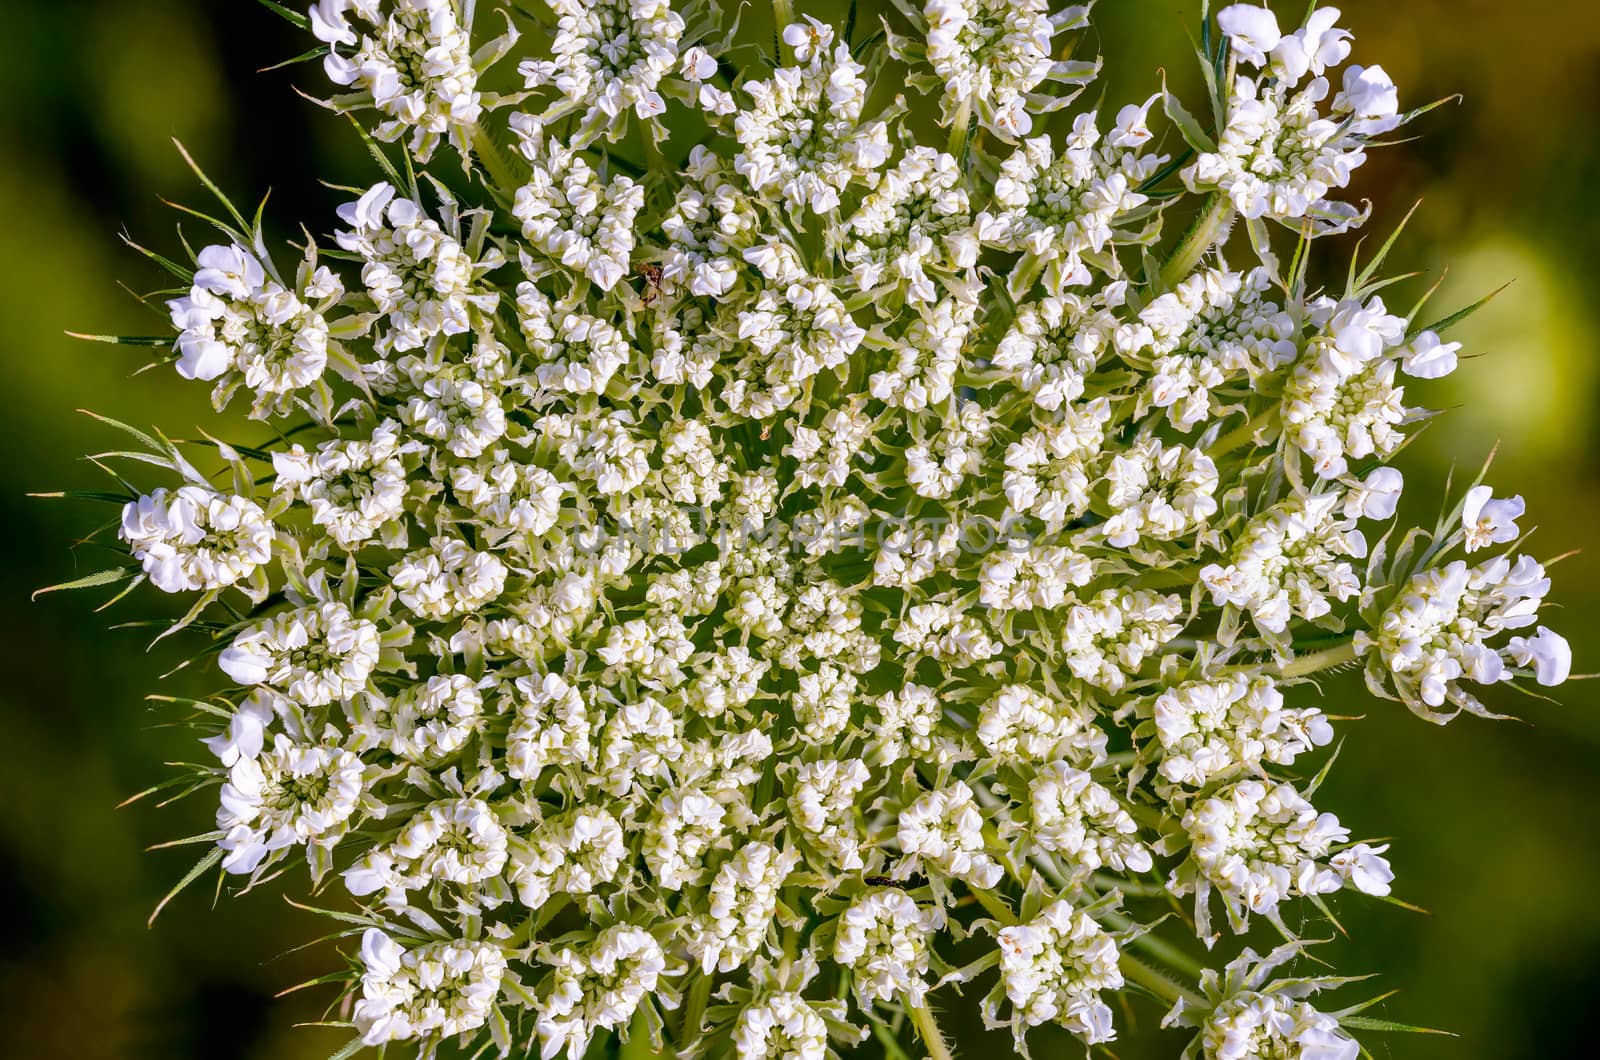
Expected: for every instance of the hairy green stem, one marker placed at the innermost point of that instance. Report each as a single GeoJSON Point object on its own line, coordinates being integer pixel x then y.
{"type": "Point", "coordinates": [1136, 971]}
{"type": "Point", "coordinates": [928, 1031]}
{"type": "Point", "coordinates": [495, 164]}
{"type": "Point", "coordinates": [1241, 434]}
{"type": "Point", "coordinates": [694, 1009]}
{"type": "Point", "coordinates": [959, 126]}
{"type": "Point", "coordinates": [782, 13]}
{"type": "Point", "coordinates": [1201, 236]}
{"type": "Point", "coordinates": [1326, 659]}
{"type": "Point", "coordinates": [1023, 277]}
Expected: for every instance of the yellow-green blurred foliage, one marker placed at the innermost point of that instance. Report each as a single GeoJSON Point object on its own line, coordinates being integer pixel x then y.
{"type": "Point", "coordinates": [1493, 823]}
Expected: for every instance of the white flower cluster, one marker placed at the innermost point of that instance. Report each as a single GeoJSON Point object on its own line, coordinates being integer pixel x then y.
{"type": "Point", "coordinates": [193, 538]}
{"type": "Point", "coordinates": [1073, 816]}
{"type": "Point", "coordinates": [743, 900]}
{"type": "Point", "coordinates": [410, 59]}
{"type": "Point", "coordinates": [241, 325]}
{"type": "Point", "coordinates": [1290, 561]}
{"type": "Point", "coordinates": [569, 214]}
{"type": "Point", "coordinates": [1207, 728]}
{"type": "Point", "coordinates": [918, 218]}
{"type": "Point", "coordinates": [416, 272]}
{"type": "Point", "coordinates": [802, 135]}
{"type": "Point", "coordinates": [944, 829]}
{"type": "Point", "coordinates": [1214, 327]}
{"type": "Point", "coordinates": [1436, 633]}
{"type": "Point", "coordinates": [1253, 1024]}
{"type": "Point", "coordinates": [1279, 154]}
{"type": "Point", "coordinates": [453, 841]}
{"type": "Point", "coordinates": [356, 488]}
{"type": "Point", "coordinates": [1054, 969]}
{"type": "Point", "coordinates": [1248, 1012]}
{"type": "Point", "coordinates": [783, 1026]}
{"type": "Point", "coordinates": [993, 58]}
{"type": "Point", "coordinates": [435, 989]}
{"type": "Point", "coordinates": [315, 655]}
{"type": "Point", "coordinates": [1059, 206]}
{"type": "Point", "coordinates": [1258, 844]}
{"type": "Point", "coordinates": [884, 938]}
{"type": "Point", "coordinates": [726, 552]}
{"type": "Point", "coordinates": [598, 987]}
{"type": "Point", "coordinates": [287, 795]}
{"type": "Point", "coordinates": [608, 58]}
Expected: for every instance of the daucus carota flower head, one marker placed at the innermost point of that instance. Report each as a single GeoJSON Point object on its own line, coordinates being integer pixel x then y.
{"type": "Point", "coordinates": [1247, 1010]}
{"type": "Point", "coordinates": [723, 551]}
{"type": "Point", "coordinates": [435, 989]}
{"type": "Point", "coordinates": [195, 539]}
{"type": "Point", "coordinates": [1054, 968]}
{"type": "Point", "coordinates": [411, 60]}
{"type": "Point", "coordinates": [240, 325]}
{"type": "Point", "coordinates": [606, 59]}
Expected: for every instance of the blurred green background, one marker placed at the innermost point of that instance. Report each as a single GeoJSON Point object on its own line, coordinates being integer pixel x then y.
{"type": "Point", "coordinates": [1493, 823]}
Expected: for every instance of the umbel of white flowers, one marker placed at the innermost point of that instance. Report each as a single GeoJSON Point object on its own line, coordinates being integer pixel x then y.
{"type": "Point", "coordinates": [695, 580]}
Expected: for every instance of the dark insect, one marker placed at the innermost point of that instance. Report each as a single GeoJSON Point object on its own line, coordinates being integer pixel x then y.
{"type": "Point", "coordinates": [652, 282]}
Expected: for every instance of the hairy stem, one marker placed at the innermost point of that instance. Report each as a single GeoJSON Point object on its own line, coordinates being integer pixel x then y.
{"type": "Point", "coordinates": [495, 164]}
{"type": "Point", "coordinates": [694, 1009]}
{"type": "Point", "coordinates": [1136, 971]}
{"type": "Point", "coordinates": [1326, 659]}
{"type": "Point", "coordinates": [783, 13]}
{"type": "Point", "coordinates": [959, 126]}
{"type": "Point", "coordinates": [928, 1031]}
{"type": "Point", "coordinates": [1201, 236]}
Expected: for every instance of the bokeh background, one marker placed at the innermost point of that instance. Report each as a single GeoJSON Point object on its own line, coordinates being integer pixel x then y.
{"type": "Point", "coordinates": [1494, 824]}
